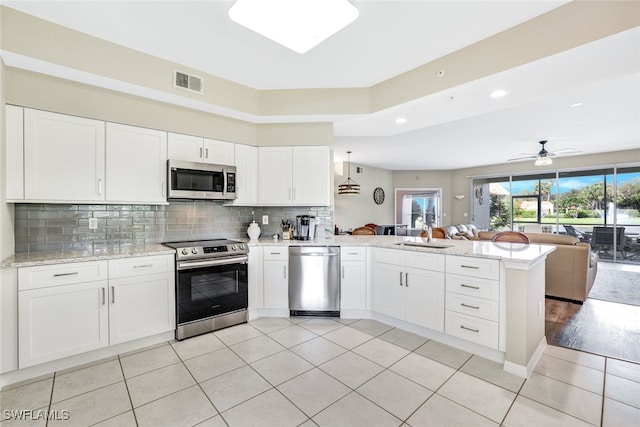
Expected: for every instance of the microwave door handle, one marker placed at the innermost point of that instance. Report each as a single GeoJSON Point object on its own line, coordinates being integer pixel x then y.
{"type": "Point", "coordinates": [224, 182]}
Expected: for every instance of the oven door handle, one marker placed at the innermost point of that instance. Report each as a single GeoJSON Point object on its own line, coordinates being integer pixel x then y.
{"type": "Point", "coordinates": [187, 265]}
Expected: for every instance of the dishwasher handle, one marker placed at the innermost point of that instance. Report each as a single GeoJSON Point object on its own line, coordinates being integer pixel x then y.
{"type": "Point", "coordinates": [316, 254]}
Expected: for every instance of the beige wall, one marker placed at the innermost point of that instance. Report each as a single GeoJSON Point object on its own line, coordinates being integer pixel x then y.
{"type": "Point", "coordinates": [428, 179]}
{"type": "Point", "coordinates": [356, 210]}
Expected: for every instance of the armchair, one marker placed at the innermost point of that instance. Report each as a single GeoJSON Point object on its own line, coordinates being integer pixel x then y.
{"type": "Point", "coordinates": [602, 241]}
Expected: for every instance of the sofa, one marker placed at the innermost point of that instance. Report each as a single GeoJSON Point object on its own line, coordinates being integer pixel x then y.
{"type": "Point", "coordinates": [570, 270]}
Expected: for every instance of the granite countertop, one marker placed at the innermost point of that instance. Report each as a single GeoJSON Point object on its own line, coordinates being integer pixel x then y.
{"type": "Point", "coordinates": [57, 257]}
{"type": "Point", "coordinates": [513, 252]}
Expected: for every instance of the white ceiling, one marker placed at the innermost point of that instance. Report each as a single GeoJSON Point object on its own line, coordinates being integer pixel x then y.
{"type": "Point", "coordinates": [460, 127]}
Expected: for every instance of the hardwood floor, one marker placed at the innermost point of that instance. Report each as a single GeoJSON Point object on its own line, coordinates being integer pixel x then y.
{"type": "Point", "coordinates": [600, 327]}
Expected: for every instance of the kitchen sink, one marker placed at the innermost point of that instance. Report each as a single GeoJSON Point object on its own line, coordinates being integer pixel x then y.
{"type": "Point", "coordinates": [425, 245]}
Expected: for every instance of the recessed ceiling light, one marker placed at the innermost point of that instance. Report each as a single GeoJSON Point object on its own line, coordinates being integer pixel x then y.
{"type": "Point", "coordinates": [401, 120]}
{"type": "Point", "coordinates": [295, 24]}
{"type": "Point", "coordinates": [498, 93]}
{"type": "Point", "coordinates": [577, 104]}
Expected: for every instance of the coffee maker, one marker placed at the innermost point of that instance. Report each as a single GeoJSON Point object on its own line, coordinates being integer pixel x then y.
{"type": "Point", "coordinates": [305, 227]}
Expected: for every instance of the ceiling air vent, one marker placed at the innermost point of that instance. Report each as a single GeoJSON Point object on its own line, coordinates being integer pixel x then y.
{"type": "Point", "coordinates": [188, 82]}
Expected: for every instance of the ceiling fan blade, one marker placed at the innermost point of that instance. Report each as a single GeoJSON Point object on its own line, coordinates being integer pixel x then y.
{"type": "Point", "coordinates": [523, 158]}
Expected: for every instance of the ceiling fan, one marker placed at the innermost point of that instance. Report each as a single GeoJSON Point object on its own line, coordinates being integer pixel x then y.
{"type": "Point", "coordinates": [543, 157]}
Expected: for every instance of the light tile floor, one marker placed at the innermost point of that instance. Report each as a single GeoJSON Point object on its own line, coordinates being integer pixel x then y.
{"type": "Point", "coordinates": [327, 372]}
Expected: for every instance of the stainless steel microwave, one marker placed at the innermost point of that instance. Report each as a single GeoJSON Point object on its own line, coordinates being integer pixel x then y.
{"type": "Point", "coordinates": [200, 181]}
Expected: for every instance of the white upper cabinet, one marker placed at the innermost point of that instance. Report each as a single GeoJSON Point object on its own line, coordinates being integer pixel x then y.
{"type": "Point", "coordinates": [311, 169]}
{"type": "Point", "coordinates": [15, 152]}
{"type": "Point", "coordinates": [136, 164]}
{"type": "Point", "coordinates": [246, 159]}
{"type": "Point", "coordinates": [294, 176]}
{"type": "Point", "coordinates": [198, 149]}
{"type": "Point", "coordinates": [275, 181]}
{"type": "Point", "coordinates": [219, 152]}
{"type": "Point", "coordinates": [185, 147]}
{"type": "Point", "coordinates": [64, 157]}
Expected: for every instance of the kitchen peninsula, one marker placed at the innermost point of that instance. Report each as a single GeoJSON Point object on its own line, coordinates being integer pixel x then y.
{"type": "Point", "coordinates": [483, 297]}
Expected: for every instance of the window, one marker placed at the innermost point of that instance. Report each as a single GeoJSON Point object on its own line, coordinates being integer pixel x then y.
{"type": "Point", "coordinates": [418, 208]}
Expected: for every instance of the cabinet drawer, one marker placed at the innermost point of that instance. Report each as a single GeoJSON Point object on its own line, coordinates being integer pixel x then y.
{"type": "Point", "coordinates": [276, 253]}
{"type": "Point", "coordinates": [388, 256]}
{"type": "Point", "coordinates": [43, 276]}
{"type": "Point", "coordinates": [474, 267]}
{"type": "Point", "coordinates": [473, 306]}
{"type": "Point", "coordinates": [465, 285]}
{"type": "Point", "coordinates": [137, 266]}
{"type": "Point", "coordinates": [424, 261]}
{"type": "Point", "coordinates": [353, 253]}
{"type": "Point", "coordinates": [481, 331]}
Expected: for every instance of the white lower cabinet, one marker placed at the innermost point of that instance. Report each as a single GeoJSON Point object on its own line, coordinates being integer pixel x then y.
{"type": "Point", "coordinates": [409, 286]}
{"type": "Point", "coordinates": [353, 278]}
{"type": "Point", "coordinates": [68, 309]}
{"type": "Point", "coordinates": [276, 277]}
{"type": "Point", "coordinates": [60, 321]}
{"type": "Point", "coordinates": [473, 300]}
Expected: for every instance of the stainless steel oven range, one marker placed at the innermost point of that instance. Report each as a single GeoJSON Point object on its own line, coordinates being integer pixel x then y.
{"type": "Point", "coordinates": [211, 285]}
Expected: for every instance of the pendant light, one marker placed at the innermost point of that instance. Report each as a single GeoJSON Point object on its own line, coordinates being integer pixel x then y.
{"type": "Point", "coordinates": [349, 186]}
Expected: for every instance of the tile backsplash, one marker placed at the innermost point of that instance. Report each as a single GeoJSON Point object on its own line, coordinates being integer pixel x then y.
{"type": "Point", "coordinates": [59, 227]}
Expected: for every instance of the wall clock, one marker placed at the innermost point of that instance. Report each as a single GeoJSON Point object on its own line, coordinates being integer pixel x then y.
{"type": "Point", "coordinates": [378, 195]}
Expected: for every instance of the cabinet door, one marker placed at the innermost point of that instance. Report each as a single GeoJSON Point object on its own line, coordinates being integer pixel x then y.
{"type": "Point", "coordinates": [276, 284]}
{"type": "Point", "coordinates": [274, 170]}
{"type": "Point", "coordinates": [14, 160]}
{"type": "Point", "coordinates": [185, 147]}
{"type": "Point", "coordinates": [353, 285]}
{"type": "Point", "coordinates": [64, 157]}
{"type": "Point", "coordinates": [311, 169]}
{"type": "Point", "coordinates": [246, 158]}
{"type": "Point", "coordinates": [136, 164]}
{"type": "Point", "coordinates": [61, 321]}
{"type": "Point", "coordinates": [141, 306]}
{"type": "Point", "coordinates": [219, 152]}
{"type": "Point", "coordinates": [424, 298]}
{"type": "Point", "coordinates": [388, 291]}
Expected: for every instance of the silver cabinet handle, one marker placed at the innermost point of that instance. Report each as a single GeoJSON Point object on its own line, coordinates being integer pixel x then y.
{"type": "Point", "coordinates": [406, 279]}
{"type": "Point", "coordinates": [104, 298]}
{"type": "Point", "coordinates": [284, 267]}
{"type": "Point", "coordinates": [343, 271]}
{"type": "Point", "coordinates": [469, 329]}
{"type": "Point", "coordinates": [469, 286]}
{"type": "Point", "coordinates": [274, 253]}
{"type": "Point", "coordinates": [353, 253]}
{"type": "Point", "coordinates": [470, 266]}
{"type": "Point", "coordinates": [206, 153]}
{"type": "Point", "coordinates": [65, 274]}
{"type": "Point", "coordinates": [401, 279]}
{"type": "Point", "coordinates": [294, 193]}
{"type": "Point", "coordinates": [470, 306]}
{"type": "Point", "coordinates": [100, 186]}
{"type": "Point", "coordinates": [143, 266]}
{"type": "Point", "coordinates": [163, 189]}
{"type": "Point", "coordinates": [113, 295]}
{"type": "Point", "coordinates": [200, 152]}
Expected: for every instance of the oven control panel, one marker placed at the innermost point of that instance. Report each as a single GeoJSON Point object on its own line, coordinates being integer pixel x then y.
{"type": "Point", "coordinates": [212, 251]}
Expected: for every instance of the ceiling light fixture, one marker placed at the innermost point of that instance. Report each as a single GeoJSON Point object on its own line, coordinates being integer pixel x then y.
{"type": "Point", "coordinates": [543, 161]}
{"type": "Point", "coordinates": [498, 93]}
{"type": "Point", "coordinates": [296, 24]}
{"type": "Point", "coordinates": [401, 120]}
{"type": "Point", "coordinates": [349, 186]}
{"type": "Point", "coordinates": [577, 104]}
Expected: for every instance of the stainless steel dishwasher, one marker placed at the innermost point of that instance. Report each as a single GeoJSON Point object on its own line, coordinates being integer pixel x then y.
{"type": "Point", "coordinates": [314, 280]}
